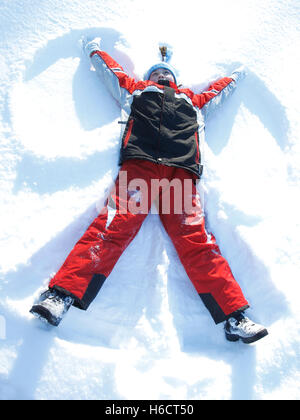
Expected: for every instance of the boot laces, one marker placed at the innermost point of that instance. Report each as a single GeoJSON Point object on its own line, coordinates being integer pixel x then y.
{"type": "Point", "coordinates": [246, 324]}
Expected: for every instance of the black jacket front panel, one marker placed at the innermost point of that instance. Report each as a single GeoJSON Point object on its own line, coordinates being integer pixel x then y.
{"type": "Point", "coordinates": [162, 128]}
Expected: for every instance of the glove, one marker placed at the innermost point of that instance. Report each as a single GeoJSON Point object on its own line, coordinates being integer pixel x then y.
{"type": "Point", "coordinates": [90, 46]}
{"type": "Point", "coordinates": [239, 74]}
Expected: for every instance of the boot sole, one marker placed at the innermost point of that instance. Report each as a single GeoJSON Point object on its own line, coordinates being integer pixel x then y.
{"type": "Point", "coordinates": [40, 312]}
{"type": "Point", "coordinates": [247, 340]}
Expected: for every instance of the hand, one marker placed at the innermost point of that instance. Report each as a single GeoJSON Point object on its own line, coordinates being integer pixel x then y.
{"type": "Point", "coordinates": [90, 46]}
{"type": "Point", "coordinates": [240, 73]}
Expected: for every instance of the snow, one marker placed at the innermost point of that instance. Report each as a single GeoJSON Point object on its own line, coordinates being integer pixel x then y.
{"type": "Point", "coordinates": [147, 334]}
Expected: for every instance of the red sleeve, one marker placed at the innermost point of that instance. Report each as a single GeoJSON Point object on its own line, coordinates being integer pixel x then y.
{"type": "Point", "coordinates": [125, 81]}
{"type": "Point", "coordinates": [203, 98]}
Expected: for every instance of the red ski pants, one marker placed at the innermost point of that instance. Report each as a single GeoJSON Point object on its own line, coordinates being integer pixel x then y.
{"type": "Point", "coordinates": [139, 183]}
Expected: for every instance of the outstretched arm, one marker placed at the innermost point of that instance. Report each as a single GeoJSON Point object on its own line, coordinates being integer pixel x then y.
{"type": "Point", "coordinates": [117, 81]}
{"type": "Point", "coordinates": [218, 92]}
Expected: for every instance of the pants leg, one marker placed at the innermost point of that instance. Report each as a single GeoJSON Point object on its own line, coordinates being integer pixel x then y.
{"type": "Point", "coordinates": [199, 252]}
{"type": "Point", "coordinates": [96, 253]}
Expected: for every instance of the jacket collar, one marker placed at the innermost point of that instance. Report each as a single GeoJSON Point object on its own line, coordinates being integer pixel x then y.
{"type": "Point", "coordinates": [167, 83]}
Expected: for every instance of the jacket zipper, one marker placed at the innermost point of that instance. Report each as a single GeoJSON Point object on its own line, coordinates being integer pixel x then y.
{"type": "Point", "coordinates": [160, 123]}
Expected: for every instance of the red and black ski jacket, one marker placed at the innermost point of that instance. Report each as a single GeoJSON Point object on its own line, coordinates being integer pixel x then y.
{"type": "Point", "coordinates": [162, 122]}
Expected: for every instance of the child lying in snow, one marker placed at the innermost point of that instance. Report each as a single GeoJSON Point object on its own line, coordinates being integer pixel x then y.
{"type": "Point", "coordinates": [163, 127]}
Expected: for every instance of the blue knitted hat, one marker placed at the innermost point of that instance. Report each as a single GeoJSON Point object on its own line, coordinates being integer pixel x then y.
{"type": "Point", "coordinates": [161, 65]}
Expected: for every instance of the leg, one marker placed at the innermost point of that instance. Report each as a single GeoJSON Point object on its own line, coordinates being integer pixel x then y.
{"type": "Point", "coordinates": [199, 253]}
{"type": "Point", "coordinates": [96, 253]}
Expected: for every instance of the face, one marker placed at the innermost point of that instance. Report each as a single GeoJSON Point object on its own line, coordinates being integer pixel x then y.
{"type": "Point", "coordinates": [161, 74]}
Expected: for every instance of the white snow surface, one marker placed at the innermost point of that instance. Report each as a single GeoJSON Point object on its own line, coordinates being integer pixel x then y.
{"type": "Point", "coordinates": [147, 335]}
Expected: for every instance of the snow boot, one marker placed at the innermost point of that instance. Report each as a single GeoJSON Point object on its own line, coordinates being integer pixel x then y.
{"type": "Point", "coordinates": [52, 306]}
{"type": "Point", "coordinates": [241, 327]}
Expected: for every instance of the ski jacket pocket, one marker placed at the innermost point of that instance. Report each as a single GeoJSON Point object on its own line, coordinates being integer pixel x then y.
{"type": "Point", "coordinates": [128, 133]}
{"type": "Point", "coordinates": [197, 146]}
